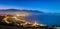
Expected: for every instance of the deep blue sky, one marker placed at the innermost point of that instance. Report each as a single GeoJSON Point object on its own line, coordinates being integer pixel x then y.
{"type": "Point", "coordinates": [44, 5]}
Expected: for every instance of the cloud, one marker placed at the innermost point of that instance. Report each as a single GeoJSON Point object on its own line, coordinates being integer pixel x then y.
{"type": "Point", "coordinates": [14, 7]}
{"type": "Point", "coordinates": [7, 7]}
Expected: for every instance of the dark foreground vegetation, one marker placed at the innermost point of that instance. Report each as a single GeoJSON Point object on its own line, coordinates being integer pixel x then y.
{"type": "Point", "coordinates": [21, 27]}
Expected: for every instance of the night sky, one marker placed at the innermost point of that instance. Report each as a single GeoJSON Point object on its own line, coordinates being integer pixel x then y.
{"type": "Point", "coordinates": [41, 5]}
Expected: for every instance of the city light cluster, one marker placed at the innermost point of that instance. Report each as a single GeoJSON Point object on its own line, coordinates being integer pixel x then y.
{"type": "Point", "coordinates": [18, 21]}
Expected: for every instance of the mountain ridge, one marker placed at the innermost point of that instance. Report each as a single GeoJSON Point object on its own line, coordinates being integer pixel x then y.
{"type": "Point", "coordinates": [25, 10]}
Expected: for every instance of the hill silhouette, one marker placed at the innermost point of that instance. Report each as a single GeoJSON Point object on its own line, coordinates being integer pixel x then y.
{"type": "Point", "coordinates": [24, 10]}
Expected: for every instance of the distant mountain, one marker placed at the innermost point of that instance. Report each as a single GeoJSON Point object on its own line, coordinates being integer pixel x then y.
{"type": "Point", "coordinates": [24, 10]}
